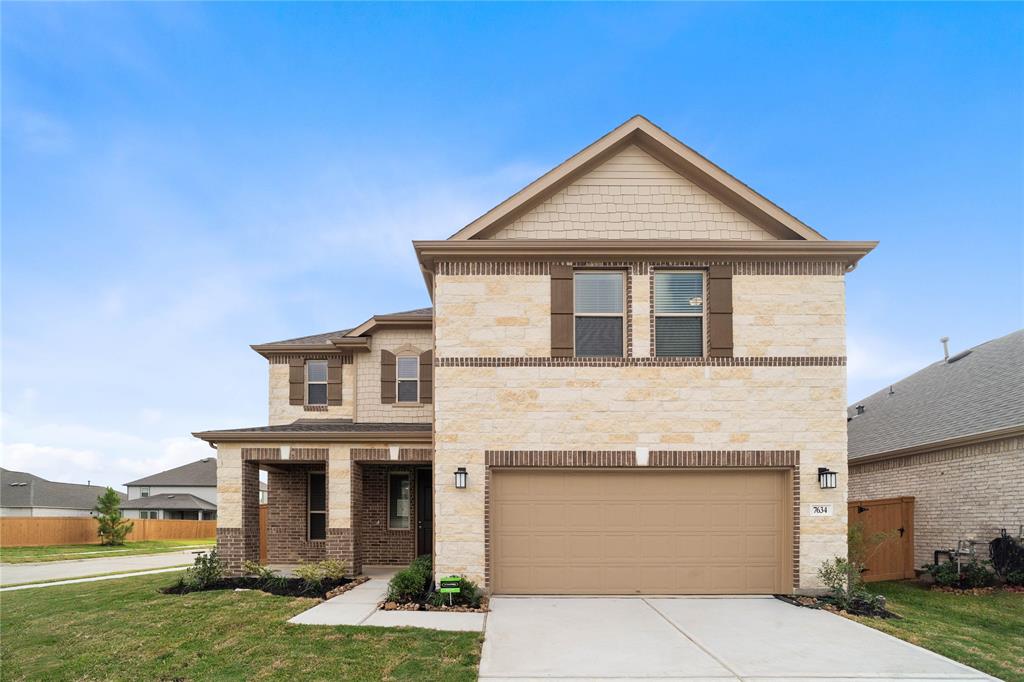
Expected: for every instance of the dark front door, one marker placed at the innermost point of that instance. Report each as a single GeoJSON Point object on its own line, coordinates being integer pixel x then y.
{"type": "Point", "coordinates": [424, 511]}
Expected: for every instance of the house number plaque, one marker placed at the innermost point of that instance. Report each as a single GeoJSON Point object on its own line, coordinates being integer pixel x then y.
{"type": "Point", "coordinates": [821, 509]}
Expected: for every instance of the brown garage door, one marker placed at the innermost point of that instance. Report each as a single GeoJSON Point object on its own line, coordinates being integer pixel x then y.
{"type": "Point", "coordinates": [641, 532]}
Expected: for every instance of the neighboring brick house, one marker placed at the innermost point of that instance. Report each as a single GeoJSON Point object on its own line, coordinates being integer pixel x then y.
{"type": "Point", "coordinates": [952, 437]}
{"type": "Point", "coordinates": [632, 373]}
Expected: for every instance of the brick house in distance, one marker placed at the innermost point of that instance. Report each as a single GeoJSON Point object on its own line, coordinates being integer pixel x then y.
{"type": "Point", "coordinates": [951, 437]}
{"type": "Point", "coordinates": [632, 375]}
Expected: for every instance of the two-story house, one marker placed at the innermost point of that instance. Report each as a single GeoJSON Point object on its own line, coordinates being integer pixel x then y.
{"type": "Point", "coordinates": [632, 380]}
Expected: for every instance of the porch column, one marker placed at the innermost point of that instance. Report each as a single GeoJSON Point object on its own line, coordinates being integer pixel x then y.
{"type": "Point", "coordinates": [341, 537]}
{"type": "Point", "coordinates": [238, 523]}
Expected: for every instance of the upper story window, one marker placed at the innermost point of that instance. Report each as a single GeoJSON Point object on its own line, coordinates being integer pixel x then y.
{"type": "Point", "coordinates": [599, 305]}
{"type": "Point", "coordinates": [408, 377]}
{"type": "Point", "coordinates": [143, 492]}
{"type": "Point", "coordinates": [316, 382]}
{"type": "Point", "coordinates": [679, 313]}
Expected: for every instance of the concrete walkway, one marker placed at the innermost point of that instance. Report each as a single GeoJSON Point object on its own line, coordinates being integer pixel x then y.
{"type": "Point", "coordinates": [358, 606]}
{"type": "Point", "coordinates": [13, 574]}
{"type": "Point", "coordinates": [750, 639]}
{"type": "Point", "coordinates": [57, 583]}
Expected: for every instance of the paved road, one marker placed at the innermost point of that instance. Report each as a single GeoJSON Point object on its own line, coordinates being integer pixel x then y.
{"type": "Point", "coordinates": [79, 568]}
{"type": "Point", "coordinates": [695, 639]}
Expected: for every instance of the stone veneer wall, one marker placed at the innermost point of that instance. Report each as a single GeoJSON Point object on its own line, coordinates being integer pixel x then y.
{"type": "Point", "coordinates": [367, 368]}
{"type": "Point", "coordinates": [287, 516]}
{"type": "Point", "coordinates": [379, 545]}
{"type": "Point", "coordinates": [960, 493]}
{"type": "Point", "coordinates": [282, 412]}
{"type": "Point", "coordinates": [795, 402]}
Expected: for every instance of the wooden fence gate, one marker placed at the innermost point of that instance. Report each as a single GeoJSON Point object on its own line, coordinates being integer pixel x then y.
{"type": "Point", "coordinates": [893, 557]}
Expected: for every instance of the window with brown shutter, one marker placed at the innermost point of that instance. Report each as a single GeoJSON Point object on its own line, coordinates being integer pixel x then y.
{"type": "Point", "coordinates": [561, 311]}
{"type": "Point", "coordinates": [334, 380]}
{"type": "Point", "coordinates": [296, 381]}
{"type": "Point", "coordinates": [427, 376]}
{"type": "Point", "coordinates": [720, 311]}
{"type": "Point", "coordinates": [387, 377]}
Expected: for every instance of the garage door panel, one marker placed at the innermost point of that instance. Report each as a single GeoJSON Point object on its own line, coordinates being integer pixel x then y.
{"type": "Point", "coordinates": [640, 532]}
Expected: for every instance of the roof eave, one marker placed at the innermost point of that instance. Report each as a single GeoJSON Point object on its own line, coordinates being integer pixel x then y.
{"type": "Point", "coordinates": [848, 252]}
{"type": "Point", "coordinates": [314, 437]}
{"type": "Point", "coordinates": [340, 344]}
{"type": "Point", "coordinates": [970, 439]}
{"type": "Point", "coordinates": [392, 322]}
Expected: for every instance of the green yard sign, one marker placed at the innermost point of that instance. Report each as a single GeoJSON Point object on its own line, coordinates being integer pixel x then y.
{"type": "Point", "coordinates": [450, 585]}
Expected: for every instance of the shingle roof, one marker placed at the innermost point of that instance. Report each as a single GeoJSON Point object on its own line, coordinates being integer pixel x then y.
{"type": "Point", "coordinates": [330, 426]}
{"type": "Point", "coordinates": [169, 501]}
{"type": "Point", "coordinates": [20, 489]}
{"type": "Point", "coordinates": [198, 473]}
{"type": "Point", "coordinates": [328, 337]}
{"type": "Point", "coordinates": [982, 390]}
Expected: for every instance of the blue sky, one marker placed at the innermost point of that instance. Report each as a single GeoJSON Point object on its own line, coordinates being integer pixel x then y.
{"type": "Point", "coordinates": [182, 180]}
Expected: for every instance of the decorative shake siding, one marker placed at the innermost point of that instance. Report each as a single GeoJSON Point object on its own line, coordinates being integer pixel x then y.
{"type": "Point", "coordinates": [632, 196]}
{"type": "Point", "coordinates": [367, 367]}
{"type": "Point", "coordinates": [794, 403]}
{"type": "Point", "coordinates": [281, 412]}
{"type": "Point", "coordinates": [967, 492]}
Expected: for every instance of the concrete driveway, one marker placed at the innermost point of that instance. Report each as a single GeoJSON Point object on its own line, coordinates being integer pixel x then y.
{"type": "Point", "coordinates": [13, 574]}
{"type": "Point", "coordinates": [737, 638]}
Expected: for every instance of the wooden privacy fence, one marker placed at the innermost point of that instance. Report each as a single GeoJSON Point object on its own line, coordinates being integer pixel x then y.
{"type": "Point", "coordinates": [81, 530]}
{"type": "Point", "coordinates": [893, 557]}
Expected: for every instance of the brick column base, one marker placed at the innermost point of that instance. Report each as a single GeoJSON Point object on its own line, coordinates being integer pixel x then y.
{"type": "Point", "coordinates": [235, 547]}
{"type": "Point", "coordinates": [341, 546]}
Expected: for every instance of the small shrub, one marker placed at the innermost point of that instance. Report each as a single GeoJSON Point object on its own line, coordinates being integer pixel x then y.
{"type": "Point", "coordinates": [972, 574]}
{"type": "Point", "coordinates": [112, 526]}
{"type": "Point", "coordinates": [469, 595]}
{"type": "Point", "coordinates": [312, 576]}
{"type": "Point", "coordinates": [1007, 555]}
{"type": "Point", "coordinates": [333, 569]}
{"type": "Point", "coordinates": [207, 570]}
{"type": "Point", "coordinates": [1015, 578]}
{"type": "Point", "coordinates": [408, 585]}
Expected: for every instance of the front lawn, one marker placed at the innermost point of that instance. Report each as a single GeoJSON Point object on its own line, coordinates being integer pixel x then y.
{"type": "Point", "coordinates": [24, 555]}
{"type": "Point", "coordinates": [125, 630]}
{"type": "Point", "coordinates": [983, 631]}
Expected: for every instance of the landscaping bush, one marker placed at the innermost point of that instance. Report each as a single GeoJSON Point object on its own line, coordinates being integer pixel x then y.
{"type": "Point", "coordinates": [469, 595]}
{"type": "Point", "coordinates": [1008, 558]}
{"type": "Point", "coordinates": [971, 575]}
{"type": "Point", "coordinates": [412, 583]}
{"type": "Point", "coordinates": [112, 526]}
{"type": "Point", "coordinates": [846, 586]}
{"type": "Point", "coordinates": [207, 570]}
{"type": "Point", "coordinates": [265, 578]}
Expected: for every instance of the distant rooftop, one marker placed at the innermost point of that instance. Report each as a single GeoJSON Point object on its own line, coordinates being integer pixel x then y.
{"type": "Point", "coordinates": [328, 337]}
{"type": "Point", "coordinates": [180, 501]}
{"type": "Point", "coordinates": [202, 472]}
{"type": "Point", "coordinates": [20, 489]}
{"type": "Point", "coordinates": [978, 390]}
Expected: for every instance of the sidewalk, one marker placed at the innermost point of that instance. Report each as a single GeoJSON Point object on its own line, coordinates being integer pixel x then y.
{"type": "Point", "coordinates": [15, 574]}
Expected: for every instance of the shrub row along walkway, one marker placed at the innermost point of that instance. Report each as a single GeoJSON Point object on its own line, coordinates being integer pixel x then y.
{"type": "Point", "coordinates": [358, 606]}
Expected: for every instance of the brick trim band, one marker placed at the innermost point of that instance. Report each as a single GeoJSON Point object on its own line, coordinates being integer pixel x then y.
{"type": "Point", "coordinates": [665, 459]}
{"type": "Point", "coordinates": [519, 361]}
{"type": "Point", "coordinates": [640, 267]}
{"type": "Point", "coordinates": [384, 455]}
{"type": "Point", "coordinates": [284, 359]}
{"type": "Point", "coordinates": [295, 454]}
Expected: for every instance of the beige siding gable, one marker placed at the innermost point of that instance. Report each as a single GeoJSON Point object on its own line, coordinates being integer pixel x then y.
{"type": "Point", "coordinates": [632, 195]}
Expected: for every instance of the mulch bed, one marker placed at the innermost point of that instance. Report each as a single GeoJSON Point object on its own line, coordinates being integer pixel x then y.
{"type": "Point", "coordinates": [421, 606]}
{"type": "Point", "coordinates": [823, 603]}
{"type": "Point", "coordinates": [285, 587]}
{"type": "Point", "coordinates": [977, 591]}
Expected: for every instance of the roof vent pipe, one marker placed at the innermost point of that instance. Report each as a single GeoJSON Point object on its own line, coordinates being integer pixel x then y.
{"type": "Point", "coordinates": [860, 409]}
{"type": "Point", "coordinates": [945, 347]}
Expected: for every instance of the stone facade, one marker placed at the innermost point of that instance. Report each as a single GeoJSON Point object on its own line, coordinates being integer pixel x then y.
{"type": "Point", "coordinates": [281, 412]}
{"type": "Point", "coordinates": [632, 196]}
{"type": "Point", "coordinates": [367, 366]}
{"type": "Point", "coordinates": [612, 406]}
{"type": "Point", "coordinates": [960, 493]}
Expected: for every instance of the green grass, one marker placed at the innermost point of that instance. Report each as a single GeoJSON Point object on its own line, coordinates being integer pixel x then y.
{"type": "Point", "coordinates": [24, 555]}
{"type": "Point", "coordinates": [983, 631]}
{"type": "Point", "coordinates": [125, 630]}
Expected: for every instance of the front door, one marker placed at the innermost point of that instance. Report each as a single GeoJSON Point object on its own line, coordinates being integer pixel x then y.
{"type": "Point", "coordinates": [424, 511]}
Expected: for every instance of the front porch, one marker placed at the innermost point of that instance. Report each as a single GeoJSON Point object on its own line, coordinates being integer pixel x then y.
{"type": "Point", "coordinates": [366, 506]}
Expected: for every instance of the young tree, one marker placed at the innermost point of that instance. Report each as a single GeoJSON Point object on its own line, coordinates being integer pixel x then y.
{"type": "Point", "coordinates": [113, 526]}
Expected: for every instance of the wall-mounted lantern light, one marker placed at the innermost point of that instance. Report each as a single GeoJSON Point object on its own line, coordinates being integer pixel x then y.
{"type": "Point", "coordinates": [461, 477]}
{"type": "Point", "coordinates": [827, 479]}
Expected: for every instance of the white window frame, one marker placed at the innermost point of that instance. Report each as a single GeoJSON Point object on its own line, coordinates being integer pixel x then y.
{"type": "Point", "coordinates": [703, 314]}
{"type": "Point", "coordinates": [310, 511]}
{"type": "Point", "coordinates": [408, 476]}
{"type": "Point", "coordinates": [623, 274]}
{"type": "Point", "coordinates": [399, 379]}
{"type": "Point", "coordinates": [144, 491]}
{"type": "Point", "coordinates": [305, 398]}
{"type": "Point", "coordinates": [149, 514]}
